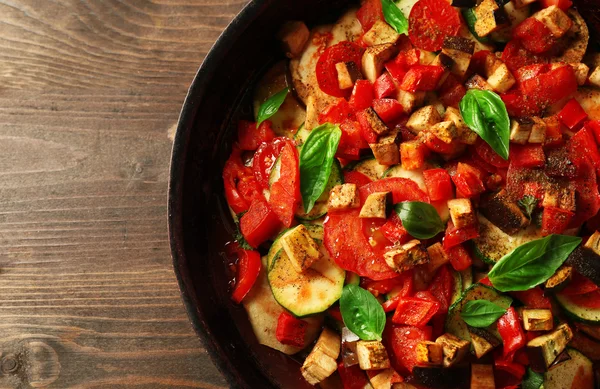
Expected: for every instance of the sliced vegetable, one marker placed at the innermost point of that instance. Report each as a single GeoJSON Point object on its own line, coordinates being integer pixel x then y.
{"type": "Point", "coordinates": [576, 372]}
{"type": "Point", "coordinates": [248, 268]}
{"type": "Point", "coordinates": [290, 331]}
{"type": "Point", "coordinates": [327, 75]}
{"type": "Point", "coordinates": [430, 22]}
{"type": "Point", "coordinates": [509, 328]}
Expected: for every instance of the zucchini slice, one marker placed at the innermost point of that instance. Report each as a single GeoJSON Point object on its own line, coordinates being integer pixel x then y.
{"type": "Point", "coordinates": [312, 291]}
{"type": "Point", "coordinates": [454, 322]}
{"type": "Point", "coordinates": [458, 287]}
{"type": "Point", "coordinates": [493, 243]}
{"type": "Point", "coordinates": [577, 312]}
{"type": "Point", "coordinates": [369, 167]}
{"type": "Point", "coordinates": [467, 278]}
{"type": "Point", "coordinates": [301, 135]}
{"type": "Point", "coordinates": [577, 372]}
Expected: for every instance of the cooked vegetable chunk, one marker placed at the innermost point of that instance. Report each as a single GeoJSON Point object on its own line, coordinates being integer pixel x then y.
{"type": "Point", "coordinates": [376, 205]}
{"type": "Point", "coordinates": [374, 58]}
{"type": "Point", "coordinates": [429, 353]}
{"type": "Point", "coordinates": [377, 125]}
{"type": "Point", "coordinates": [344, 196]}
{"type": "Point", "coordinates": [301, 248]}
{"type": "Point", "coordinates": [372, 355]}
{"type": "Point", "coordinates": [537, 319]}
{"type": "Point", "coordinates": [482, 377]}
{"type": "Point", "coordinates": [543, 350]}
{"type": "Point", "coordinates": [462, 212]}
{"type": "Point", "coordinates": [423, 119]}
{"type": "Point", "coordinates": [454, 349]}
{"type": "Point", "coordinates": [406, 257]}
{"type": "Point", "coordinates": [380, 33]}
{"type": "Point", "coordinates": [321, 362]}
{"type": "Point", "coordinates": [483, 342]}
{"type": "Point", "coordinates": [293, 36]}
{"type": "Point", "coordinates": [557, 21]}
{"type": "Point", "coordinates": [445, 131]}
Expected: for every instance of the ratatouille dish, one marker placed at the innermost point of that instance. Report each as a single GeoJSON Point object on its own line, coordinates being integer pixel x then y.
{"type": "Point", "coordinates": [417, 197]}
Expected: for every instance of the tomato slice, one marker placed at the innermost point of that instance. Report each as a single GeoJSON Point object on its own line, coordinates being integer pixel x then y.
{"type": "Point", "coordinates": [588, 300]}
{"type": "Point", "coordinates": [370, 12]}
{"type": "Point", "coordinates": [358, 178]}
{"type": "Point", "coordinates": [327, 76]}
{"type": "Point", "coordinates": [285, 192]}
{"type": "Point", "coordinates": [430, 22]}
{"type": "Point", "coordinates": [241, 187]}
{"type": "Point", "coordinates": [350, 249]}
{"type": "Point", "coordinates": [401, 343]}
{"type": "Point", "coordinates": [264, 159]}
{"type": "Point", "coordinates": [403, 189]}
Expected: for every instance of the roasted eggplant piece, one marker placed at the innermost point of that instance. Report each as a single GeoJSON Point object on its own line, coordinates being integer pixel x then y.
{"type": "Point", "coordinates": [442, 378]}
{"type": "Point", "coordinates": [587, 262]}
{"type": "Point", "coordinates": [503, 212]}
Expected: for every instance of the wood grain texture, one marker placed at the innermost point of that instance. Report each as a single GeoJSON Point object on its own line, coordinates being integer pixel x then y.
{"type": "Point", "coordinates": [89, 90]}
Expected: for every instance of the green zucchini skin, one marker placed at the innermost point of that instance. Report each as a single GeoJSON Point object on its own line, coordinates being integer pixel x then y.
{"type": "Point", "coordinates": [578, 313]}
{"type": "Point", "coordinates": [577, 370]}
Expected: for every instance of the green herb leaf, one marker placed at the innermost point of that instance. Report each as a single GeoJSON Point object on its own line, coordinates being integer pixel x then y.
{"type": "Point", "coordinates": [528, 204]}
{"type": "Point", "coordinates": [471, 18]}
{"type": "Point", "coordinates": [532, 380]}
{"type": "Point", "coordinates": [485, 113]}
{"type": "Point", "coordinates": [481, 313]}
{"type": "Point", "coordinates": [362, 313]}
{"type": "Point", "coordinates": [271, 106]}
{"type": "Point", "coordinates": [421, 220]}
{"type": "Point", "coordinates": [316, 158]}
{"type": "Point", "coordinates": [532, 263]}
{"type": "Point", "coordinates": [394, 17]}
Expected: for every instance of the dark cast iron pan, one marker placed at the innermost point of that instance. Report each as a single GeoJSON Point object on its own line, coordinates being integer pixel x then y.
{"type": "Point", "coordinates": [199, 225]}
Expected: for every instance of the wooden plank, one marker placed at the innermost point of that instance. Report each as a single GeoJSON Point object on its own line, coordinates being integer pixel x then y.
{"type": "Point", "coordinates": [89, 91]}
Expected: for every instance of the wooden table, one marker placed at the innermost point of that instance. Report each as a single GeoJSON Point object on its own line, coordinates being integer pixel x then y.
{"type": "Point", "coordinates": [90, 93]}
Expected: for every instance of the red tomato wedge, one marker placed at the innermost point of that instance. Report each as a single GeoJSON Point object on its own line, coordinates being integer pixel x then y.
{"type": "Point", "coordinates": [265, 158]}
{"type": "Point", "coordinates": [401, 343]}
{"type": "Point", "coordinates": [327, 76]}
{"type": "Point", "coordinates": [403, 189]}
{"type": "Point", "coordinates": [285, 192]}
{"type": "Point", "coordinates": [350, 249]}
{"type": "Point", "coordinates": [430, 22]}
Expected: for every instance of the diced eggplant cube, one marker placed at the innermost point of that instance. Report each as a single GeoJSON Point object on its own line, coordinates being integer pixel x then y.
{"type": "Point", "coordinates": [543, 350]}
{"type": "Point", "coordinates": [375, 57]}
{"type": "Point", "coordinates": [503, 212]}
{"type": "Point", "coordinates": [563, 198]}
{"type": "Point", "coordinates": [482, 377]}
{"type": "Point", "coordinates": [345, 80]}
{"type": "Point", "coordinates": [519, 131]}
{"type": "Point", "coordinates": [446, 131]}
{"type": "Point", "coordinates": [560, 279]}
{"type": "Point", "coordinates": [581, 72]}
{"type": "Point", "coordinates": [465, 134]}
{"type": "Point", "coordinates": [377, 125]}
{"type": "Point", "coordinates": [383, 379]}
{"type": "Point", "coordinates": [478, 82]}
{"type": "Point", "coordinates": [594, 77]}
{"type": "Point", "coordinates": [458, 43]}
{"type": "Point", "coordinates": [387, 151]}
{"type": "Point", "coordinates": [429, 353]}
{"type": "Point", "coordinates": [489, 17]}
{"type": "Point", "coordinates": [437, 257]}
{"type": "Point", "coordinates": [538, 131]}
{"type": "Point", "coordinates": [380, 33]}
{"type": "Point", "coordinates": [376, 205]}
{"type": "Point", "coordinates": [423, 119]}
{"type": "Point", "coordinates": [293, 36]}
{"type": "Point", "coordinates": [483, 342]}
{"type": "Point", "coordinates": [409, 100]}
{"type": "Point", "coordinates": [537, 319]}
{"type": "Point", "coordinates": [557, 21]}
{"type": "Point", "coordinates": [372, 355]}
{"type": "Point", "coordinates": [454, 349]}
{"type": "Point", "coordinates": [322, 360]}
{"type": "Point", "coordinates": [301, 248]}
{"type": "Point", "coordinates": [522, 3]}
{"type": "Point", "coordinates": [462, 212]}
{"type": "Point", "coordinates": [443, 60]}
{"type": "Point", "coordinates": [593, 243]}
{"type": "Point", "coordinates": [343, 197]}
{"type": "Point", "coordinates": [501, 79]}
{"type": "Point", "coordinates": [407, 256]}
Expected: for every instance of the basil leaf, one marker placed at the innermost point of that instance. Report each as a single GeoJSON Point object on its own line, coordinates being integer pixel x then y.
{"type": "Point", "coordinates": [362, 313]}
{"type": "Point", "coordinates": [421, 220]}
{"type": "Point", "coordinates": [532, 380]}
{"type": "Point", "coordinates": [485, 113]}
{"type": "Point", "coordinates": [271, 106]}
{"type": "Point", "coordinates": [316, 158]}
{"type": "Point", "coordinates": [528, 204]}
{"type": "Point", "coordinates": [394, 17]}
{"type": "Point", "coordinates": [471, 18]}
{"type": "Point", "coordinates": [532, 263]}
{"type": "Point", "coordinates": [481, 313]}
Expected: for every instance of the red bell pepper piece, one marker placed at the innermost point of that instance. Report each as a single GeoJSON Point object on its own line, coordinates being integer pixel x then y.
{"type": "Point", "coordinates": [555, 220]}
{"type": "Point", "coordinates": [285, 192]}
{"type": "Point", "coordinates": [572, 114]}
{"type": "Point", "coordinates": [248, 268]}
{"type": "Point", "coordinates": [511, 332]}
{"type": "Point", "coordinates": [439, 184]}
{"type": "Point", "coordinates": [337, 113]}
{"type": "Point", "coordinates": [351, 142]}
{"type": "Point", "coordinates": [413, 154]}
{"type": "Point", "coordinates": [384, 86]}
{"type": "Point", "coordinates": [533, 298]}
{"type": "Point", "coordinates": [455, 236]}
{"type": "Point", "coordinates": [515, 56]}
{"type": "Point", "coordinates": [452, 91]}
{"type": "Point", "coordinates": [335, 313]}
{"type": "Point", "coordinates": [517, 104]}
{"type": "Point", "coordinates": [290, 330]}
{"type": "Point", "coordinates": [485, 281]}
{"type": "Point", "coordinates": [366, 131]}
{"type": "Point", "coordinates": [370, 12]}
{"type": "Point", "coordinates": [362, 95]}
{"type": "Point", "coordinates": [437, 145]}
{"type": "Point", "coordinates": [507, 373]}
{"type": "Point", "coordinates": [401, 342]}
{"type": "Point", "coordinates": [240, 184]}
{"type": "Point", "coordinates": [259, 223]}
{"type": "Point", "coordinates": [554, 136]}
{"type": "Point", "coordinates": [393, 229]}
{"type": "Point", "coordinates": [388, 110]}
{"type": "Point", "coordinates": [562, 4]}
{"type": "Point", "coordinates": [250, 137]}
{"type": "Point", "coordinates": [551, 87]}
{"type": "Point", "coordinates": [485, 152]}
{"type": "Point", "coordinates": [406, 289]}
{"type": "Point", "coordinates": [534, 36]}
{"type": "Point", "coordinates": [584, 144]}
{"type": "Point", "coordinates": [265, 157]}
{"type": "Point", "coordinates": [353, 377]}
{"type": "Point", "coordinates": [441, 288]}
{"type": "Point", "coordinates": [422, 78]}
{"type": "Point", "coordinates": [579, 285]}
{"type": "Point", "coordinates": [468, 180]}
{"type": "Point", "coordinates": [382, 286]}
{"type": "Point", "coordinates": [415, 311]}
{"type": "Point", "coordinates": [460, 259]}
{"type": "Point", "coordinates": [402, 63]}
{"type": "Point", "coordinates": [529, 155]}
